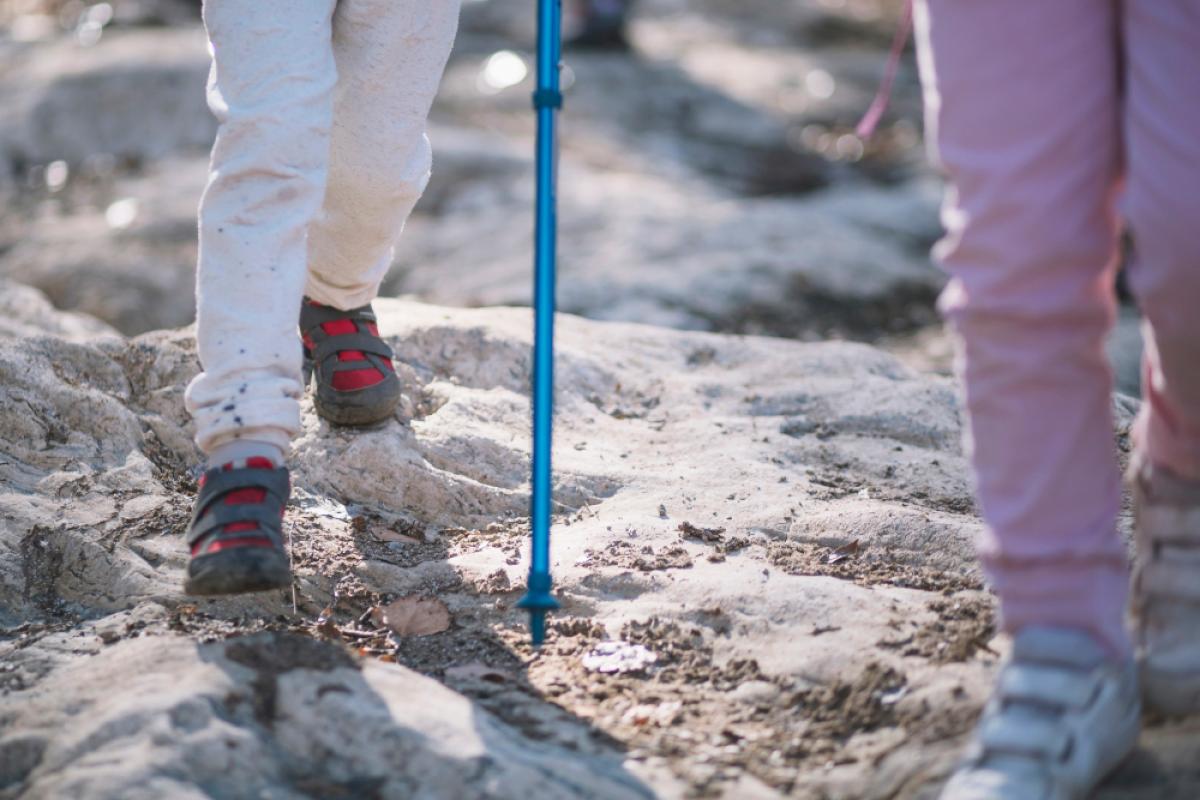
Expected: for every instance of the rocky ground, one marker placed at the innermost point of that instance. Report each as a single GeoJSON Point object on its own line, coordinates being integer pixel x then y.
{"type": "Point", "coordinates": [789, 610]}
{"type": "Point", "coordinates": [763, 545]}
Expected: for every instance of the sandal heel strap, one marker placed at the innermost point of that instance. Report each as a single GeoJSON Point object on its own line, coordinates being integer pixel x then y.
{"type": "Point", "coordinates": [314, 316]}
{"type": "Point", "coordinates": [276, 483]}
{"type": "Point", "coordinates": [1168, 579]}
{"type": "Point", "coordinates": [1029, 683]}
{"type": "Point", "coordinates": [268, 520]}
{"type": "Point", "coordinates": [1027, 736]}
{"type": "Point", "coordinates": [329, 346]}
{"type": "Point", "coordinates": [219, 482]}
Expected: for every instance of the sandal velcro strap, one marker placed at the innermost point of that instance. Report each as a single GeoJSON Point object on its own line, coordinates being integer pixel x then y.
{"type": "Point", "coordinates": [1047, 686]}
{"type": "Point", "coordinates": [219, 482]}
{"type": "Point", "coordinates": [328, 345]}
{"type": "Point", "coordinates": [216, 519]}
{"type": "Point", "coordinates": [1174, 526]}
{"type": "Point", "coordinates": [212, 516]}
{"type": "Point", "coordinates": [1024, 736]}
{"type": "Point", "coordinates": [315, 316]}
{"type": "Point", "coordinates": [323, 348]}
{"type": "Point", "coordinates": [1161, 578]}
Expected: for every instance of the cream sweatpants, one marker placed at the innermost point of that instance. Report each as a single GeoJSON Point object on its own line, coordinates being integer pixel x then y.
{"type": "Point", "coordinates": [320, 156]}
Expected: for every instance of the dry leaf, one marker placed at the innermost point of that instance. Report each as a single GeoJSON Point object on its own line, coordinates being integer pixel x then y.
{"type": "Point", "coordinates": [847, 550]}
{"type": "Point", "coordinates": [638, 716]}
{"type": "Point", "coordinates": [326, 628]}
{"type": "Point", "coordinates": [414, 616]}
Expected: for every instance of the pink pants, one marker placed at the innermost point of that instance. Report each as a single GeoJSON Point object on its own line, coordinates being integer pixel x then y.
{"type": "Point", "coordinates": [1050, 116]}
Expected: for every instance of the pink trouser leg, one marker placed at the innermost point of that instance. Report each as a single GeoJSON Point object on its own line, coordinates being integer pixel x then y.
{"type": "Point", "coordinates": [1023, 106]}
{"type": "Point", "coordinates": [1162, 134]}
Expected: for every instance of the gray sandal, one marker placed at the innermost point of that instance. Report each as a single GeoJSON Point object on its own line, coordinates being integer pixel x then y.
{"type": "Point", "coordinates": [236, 533]}
{"type": "Point", "coordinates": [350, 365]}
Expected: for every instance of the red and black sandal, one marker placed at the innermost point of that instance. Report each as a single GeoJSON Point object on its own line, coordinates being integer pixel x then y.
{"type": "Point", "coordinates": [350, 365]}
{"type": "Point", "coordinates": [236, 534]}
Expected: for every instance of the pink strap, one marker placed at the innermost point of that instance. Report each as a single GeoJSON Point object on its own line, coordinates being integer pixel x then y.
{"type": "Point", "coordinates": [871, 119]}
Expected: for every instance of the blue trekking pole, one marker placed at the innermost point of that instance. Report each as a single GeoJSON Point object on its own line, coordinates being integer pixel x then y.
{"type": "Point", "coordinates": [546, 101]}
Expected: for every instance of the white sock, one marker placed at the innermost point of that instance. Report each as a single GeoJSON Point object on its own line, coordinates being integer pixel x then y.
{"type": "Point", "coordinates": [242, 449]}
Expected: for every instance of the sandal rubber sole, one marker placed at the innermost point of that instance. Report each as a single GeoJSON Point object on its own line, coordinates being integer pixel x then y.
{"type": "Point", "coordinates": [238, 571]}
{"type": "Point", "coordinates": [1171, 694]}
{"type": "Point", "coordinates": [361, 407]}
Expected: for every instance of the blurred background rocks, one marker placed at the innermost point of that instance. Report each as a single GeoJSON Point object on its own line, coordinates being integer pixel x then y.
{"type": "Point", "coordinates": [710, 176]}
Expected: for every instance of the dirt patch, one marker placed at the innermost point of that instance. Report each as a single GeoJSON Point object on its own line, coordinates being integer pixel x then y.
{"type": "Point", "coordinates": [712, 722]}
{"type": "Point", "coordinates": [863, 567]}
{"type": "Point", "coordinates": [836, 479]}
{"type": "Point", "coordinates": [964, 626]}
{"type": "Point", "coordinates": [709, 722]}
{"type": "Point", "coordinates": [715, 537]}
{"type": "Point", "coordinates": [509, 536]}
{"type": "Point", "coordinates": [496, 582]}
{"type": "Point", "coordinates": [708, 535]}
{"type": "Point", "coordinates": [833, 483]}
{"type": "Point", "coordinates": [642, 558]}
{"type": "Point", "coordinates": [400, 543]}
{"type": "Point", "coordinates": [844, 708]}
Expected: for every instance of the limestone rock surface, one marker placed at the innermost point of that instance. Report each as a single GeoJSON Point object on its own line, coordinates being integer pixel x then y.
{"type": "Point", "coordinates": [786, 527]}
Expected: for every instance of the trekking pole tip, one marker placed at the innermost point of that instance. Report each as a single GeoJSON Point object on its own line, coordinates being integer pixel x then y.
{"type": "Point", "coordinates": [538, 601]}
{"type": "Point", "coordinates": [537, 627]}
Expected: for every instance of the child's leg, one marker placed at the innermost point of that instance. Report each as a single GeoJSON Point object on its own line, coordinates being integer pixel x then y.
{"type": "Point", "coordinates": [1163, 206]}
{"type": "Point", "coordinates": [390, 57]}
{"type": "Point", "coordinates": [271, 88]}
{"type": "Point", "coordinates": [1162, 124]}
{"type": "Point", "coordinates": [1022, 100]}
